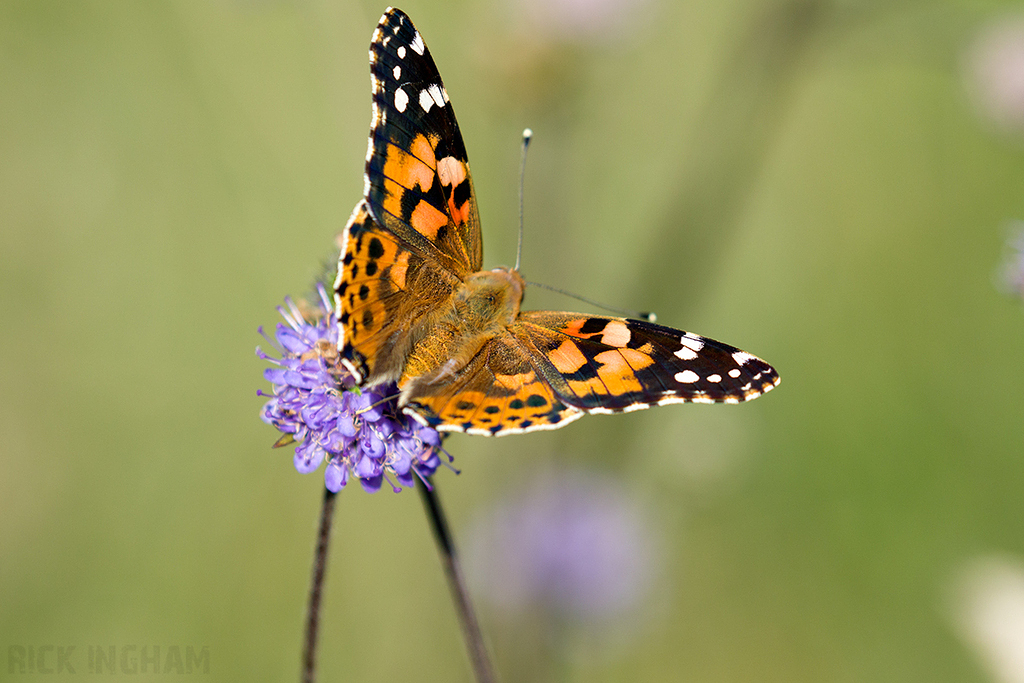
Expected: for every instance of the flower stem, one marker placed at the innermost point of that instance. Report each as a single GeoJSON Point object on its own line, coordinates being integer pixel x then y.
{"type": "Point", "coordinates": [467, 619]}
{"type": "Point", "coordinates": [315, 588]}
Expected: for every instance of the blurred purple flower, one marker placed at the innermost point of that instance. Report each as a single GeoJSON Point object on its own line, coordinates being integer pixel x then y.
{"type": "Point", "coordinates": [995, 65]}
{"type": "Point", "coordinates": [574, 548]}
{"type": "Point", "coordinates": [315, 403]}
{"type": "Point", "coordinates": [583, 20]}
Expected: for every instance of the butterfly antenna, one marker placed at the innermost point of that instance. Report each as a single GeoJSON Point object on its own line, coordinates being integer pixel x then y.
{"type": "Point", "coordinates": [629, 313]}
{"type": "Point", "coordinates": [527, 135]}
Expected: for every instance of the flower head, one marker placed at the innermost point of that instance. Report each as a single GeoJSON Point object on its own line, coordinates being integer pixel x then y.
{"type": "Point", "coordinates": [315, 402]}
{"type": "Point", "coordinates": [573, 547]}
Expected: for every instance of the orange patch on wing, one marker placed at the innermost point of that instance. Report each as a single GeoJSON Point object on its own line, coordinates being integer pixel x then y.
{"type": "Point", "coordinates": [393, 193]}
{"type": "Point", "coordinates": [638, 359]}
{"type": "Point", "coordinates": [573, 327]}
{"type": "Point", "coordinates": [364, 338]}
{"type": "Point", "coordinates": [423, 150]}
{"type": "Point", "coordinates": [426, 220]}
{"type": "Point", "coordinates": [567, 358]}
{"type": "Point", "coordinates": [407, 170]}
{"type": "Point", "coordinates": [399, 269]}
{"type": "Point", "coordinates": [515, 381]}
{"type": "Point", "coordinates": [616, 373]}
{"type": "Point", "coordinates": [460, 214]}
{"type": "Point", "coordinates": [594, 385]}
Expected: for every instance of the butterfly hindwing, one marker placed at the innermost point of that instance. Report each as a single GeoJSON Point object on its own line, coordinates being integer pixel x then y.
{"type": "Point", "coordinates": [616, 365]}
{"type": "Point", "coordinates": [552, 368]}
{"type": "Point", "coordinates": [499, 392]}
{"type": "Point", "coordinates": [383, 287]}
{"type": "Point", "coordinates": [418, 183]}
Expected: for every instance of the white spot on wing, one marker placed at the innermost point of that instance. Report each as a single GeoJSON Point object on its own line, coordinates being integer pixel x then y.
{"type": "Point", "coordinates": [401, 100]}
{"type": "Point", "coordinates": [687, 377]}
{"type": "Point", "coordinates": [686, 353]}
{"type": "Point", "coordinates": [691, 343]}
{"type": "Point", "coordinates": [417, 44]}
{"type": "Point", "coordinates": [714, 378]}
{"type": "Point", "coordinates": [435, 92]}
{"type": "Point", "coordinates": [397, 72]}
{"type": "Point", "coordinates": [426, 101]}
{"type": "Point", "coordinates": [734, 373]}
{"type": "Point", "coordinates": [742, 357]}
{"type": "Point", "coordinates": [401, 51]}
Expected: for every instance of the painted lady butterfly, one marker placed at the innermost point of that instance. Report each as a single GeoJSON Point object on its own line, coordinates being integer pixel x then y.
{"type": "Point", "coordinates": [415, 308]}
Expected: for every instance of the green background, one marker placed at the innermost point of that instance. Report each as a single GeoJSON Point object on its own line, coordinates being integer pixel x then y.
{"type": "Point", "coordinates": [806, 180]}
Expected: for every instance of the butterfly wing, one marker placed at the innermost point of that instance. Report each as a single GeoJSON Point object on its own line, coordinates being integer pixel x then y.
{"type": "Point", "coordinates": [385, 290]}
{"type": "Point", "coordinates": [611, 365]}
{"type": "Point", "coordinates": [551, 368]}
{"type": "Point", "coordinates": [501, 391]}
{"type": "Point", "coordinates": [417, 172]}
{"type": "Point", "coordinates": [416, 233]}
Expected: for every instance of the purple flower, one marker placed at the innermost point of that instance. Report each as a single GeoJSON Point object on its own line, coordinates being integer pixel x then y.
{"type": "Point", "coordinates": [359, 432]}
{"type": "Point", "coordinates": [572, 551]}
{"type": "Point", "coordinates": [583, 21]}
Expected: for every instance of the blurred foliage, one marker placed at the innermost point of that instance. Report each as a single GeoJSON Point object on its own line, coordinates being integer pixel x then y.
{"type": "Point", "coordinates": [806, 180]}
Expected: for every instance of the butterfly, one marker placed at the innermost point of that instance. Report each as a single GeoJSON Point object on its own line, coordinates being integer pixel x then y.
{"type": "Point", "coordinates": [415, 308]}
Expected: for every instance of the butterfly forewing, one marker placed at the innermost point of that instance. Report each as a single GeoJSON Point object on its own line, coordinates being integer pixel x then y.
{"type": "Point", "coordinates": [617, 365]}
{"type": "Point", "coordinates": [417, 172]}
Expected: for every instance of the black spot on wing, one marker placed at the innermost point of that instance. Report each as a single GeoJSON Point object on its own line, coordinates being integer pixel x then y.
{"type": "Point", "coordinates": [375, 249]}
{"type": "Point", "coordinates": [593, 326]}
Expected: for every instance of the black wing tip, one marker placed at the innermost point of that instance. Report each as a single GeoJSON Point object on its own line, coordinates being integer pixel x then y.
{"type": "Point", "coordinates": [393, 16]}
